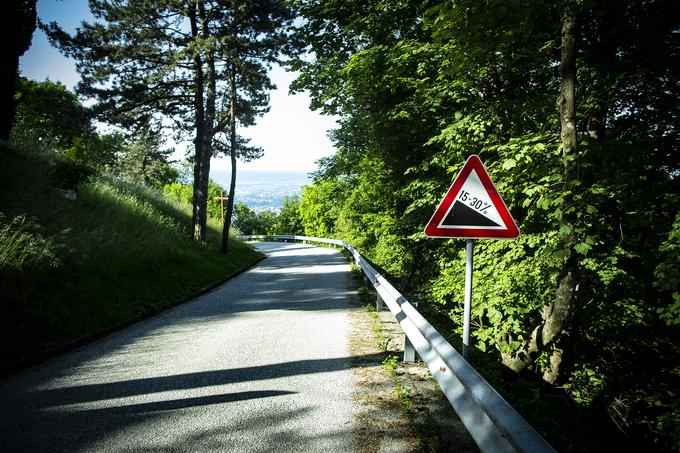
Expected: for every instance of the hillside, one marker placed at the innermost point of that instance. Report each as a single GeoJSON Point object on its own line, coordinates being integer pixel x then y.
{"type": "Point", "coordinates": [74, 269]}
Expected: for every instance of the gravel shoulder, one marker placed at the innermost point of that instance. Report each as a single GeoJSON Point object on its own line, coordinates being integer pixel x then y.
{"type": "Point", "coordinates": [403, 408]}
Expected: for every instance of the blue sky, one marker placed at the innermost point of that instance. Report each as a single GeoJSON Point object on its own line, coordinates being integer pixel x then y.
{"type": "Point", "coordinates": [292, 136]}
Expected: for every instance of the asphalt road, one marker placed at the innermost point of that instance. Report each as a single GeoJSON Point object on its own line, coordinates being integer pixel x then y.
{"type": "Point", "coordinates": [257, 365]}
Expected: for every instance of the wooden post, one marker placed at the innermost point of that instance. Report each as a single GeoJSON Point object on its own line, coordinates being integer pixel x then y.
{"type": "Point", "coordinates": [221, 198]}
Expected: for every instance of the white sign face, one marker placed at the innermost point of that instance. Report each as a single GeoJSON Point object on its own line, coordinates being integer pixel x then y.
{"type": "Point", "coordinates": [473, 208]}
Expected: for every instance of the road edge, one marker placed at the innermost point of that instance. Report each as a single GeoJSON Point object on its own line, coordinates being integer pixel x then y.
{"type": "Point", "coordinates": [28, 362]}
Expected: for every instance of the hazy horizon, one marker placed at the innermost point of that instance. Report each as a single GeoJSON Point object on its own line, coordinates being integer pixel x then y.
{"type": "Point", "coordinates": [263, 190]}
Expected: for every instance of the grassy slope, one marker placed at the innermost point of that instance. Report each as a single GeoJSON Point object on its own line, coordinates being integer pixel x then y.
{"type": "Point", "coordinates": [70, 269]}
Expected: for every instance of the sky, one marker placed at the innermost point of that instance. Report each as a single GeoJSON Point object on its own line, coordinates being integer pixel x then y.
{"type": "Point", "coordinates": [293, 137]}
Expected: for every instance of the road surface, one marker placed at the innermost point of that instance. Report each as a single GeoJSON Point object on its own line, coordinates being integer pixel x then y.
{"type": "Point", "coordinates": [257, 365]}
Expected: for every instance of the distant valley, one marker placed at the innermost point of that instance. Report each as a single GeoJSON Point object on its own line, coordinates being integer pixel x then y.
{"type": "Point", "coordinates": [263, 190]}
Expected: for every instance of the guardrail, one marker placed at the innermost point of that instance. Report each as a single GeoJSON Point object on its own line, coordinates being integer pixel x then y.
{"type": "Point", "coordinates": [493, 424]}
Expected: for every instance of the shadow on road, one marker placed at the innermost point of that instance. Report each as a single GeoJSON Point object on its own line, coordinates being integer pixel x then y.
{"type": "Point", "coordinates": [182, 403]}
{"type": "Point", "coordinates": [54, 407]}
{"type": "Point", "coordinates": [38, 398]}
{"type": "Point", "coordinates": [44, 419]}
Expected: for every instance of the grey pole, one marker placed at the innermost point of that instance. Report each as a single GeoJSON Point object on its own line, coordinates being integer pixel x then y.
{"type": "Point", "coordinates": [409, 349]}
{"type": "Point", "coordinates": [469, 246]}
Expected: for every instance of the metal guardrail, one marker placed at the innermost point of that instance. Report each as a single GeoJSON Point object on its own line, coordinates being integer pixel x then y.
{"type": "Point", "coordinates": [493, 424]}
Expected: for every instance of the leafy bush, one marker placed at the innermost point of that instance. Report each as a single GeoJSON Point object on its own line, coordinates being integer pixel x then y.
{"type": "Point", "coordinates": [70, 171]}
{"type": "Point", "coordinates": [288, 220]}
{"type": "Point", "coordinates": [248, 221]}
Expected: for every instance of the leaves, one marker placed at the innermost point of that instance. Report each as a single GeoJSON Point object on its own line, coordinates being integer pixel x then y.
{"type": "Point", "coordinates": [419, 90]}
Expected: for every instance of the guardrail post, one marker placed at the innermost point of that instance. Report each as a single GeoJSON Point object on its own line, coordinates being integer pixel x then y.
{"type": "Point", "coordinates": [378, 302]}
{"type": "Point", "coordinates": [409, 350]}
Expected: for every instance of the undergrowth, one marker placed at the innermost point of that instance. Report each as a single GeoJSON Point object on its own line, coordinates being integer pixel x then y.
{"type": "Point", "coordinates": [404, 394]}
{"type": "Point", "coordinates": [73, 268]}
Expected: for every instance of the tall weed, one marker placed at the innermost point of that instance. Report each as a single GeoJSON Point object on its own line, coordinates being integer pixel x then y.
{"type": "Point", "coordinates": [22, 248]}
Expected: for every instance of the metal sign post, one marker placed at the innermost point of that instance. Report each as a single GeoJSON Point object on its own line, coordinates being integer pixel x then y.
{"type": "Point", "coordinates": [469, 247]}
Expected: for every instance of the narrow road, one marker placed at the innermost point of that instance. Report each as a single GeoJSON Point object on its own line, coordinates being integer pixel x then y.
{"type": "Point", "coordinates": [258, 365]}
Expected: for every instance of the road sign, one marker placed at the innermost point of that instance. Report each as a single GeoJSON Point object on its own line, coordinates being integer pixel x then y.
{"type": "Point", "coordinates": [472, 208]}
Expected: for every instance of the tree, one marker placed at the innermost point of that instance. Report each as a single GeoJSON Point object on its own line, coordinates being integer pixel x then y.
{"type": "Point", "coordinates": [49, 114]}
{"type": "Point", "coordinates": [134, 84]}
{"type": "Point", "coordinates": [144, 161]}
{"type": "Point", "coordinates": [50, 118]}
{"type": "Point", "coordinates": [210, 71]}
{"type": "Point", "coordinates": [18, 23]}
{"type": "Point", "coordinates": [100, 153]}
{"type": "Point", "coordinates": [289, 221]}
{"type": "Point", "coordinates": [420, 87]}
{"type": "Point", "coordinates": [250, 222]}
{"type": "Point", "coordinates": [556, 314]}
{"type": "Point", "coordinates": [255, 36]}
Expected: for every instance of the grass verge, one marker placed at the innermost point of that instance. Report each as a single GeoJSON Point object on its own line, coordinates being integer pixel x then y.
{"type": "Point", "coordinates": [73, 269]}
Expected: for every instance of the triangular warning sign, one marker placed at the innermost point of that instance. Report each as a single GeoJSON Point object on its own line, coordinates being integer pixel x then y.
{"type": "Point", "coordinates": [472, 208]}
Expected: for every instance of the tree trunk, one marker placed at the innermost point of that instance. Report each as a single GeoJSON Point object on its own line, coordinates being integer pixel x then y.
{"type": "Point", "coordinates": [18, 24]}
{"type": "Point", "coordinates": [200, 199]}
{"type": "Point", "coordinates": [208, 115]}
{"type": "Point", "coordinates": [232, 152]}
{"type": "Point", "coordinates": [557, 313]}
{"type": "Point", "coordinates": [554, 365]}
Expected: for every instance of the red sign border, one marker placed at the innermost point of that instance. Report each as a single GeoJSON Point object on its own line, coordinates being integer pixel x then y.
{"type": "Point", "coordinates": [472, 163]}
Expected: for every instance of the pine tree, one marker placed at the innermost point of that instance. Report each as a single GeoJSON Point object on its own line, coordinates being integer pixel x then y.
{"type": "Point", "coordinates": [201, 64]}
{"type": "Point", "coordinates": [253, 36]}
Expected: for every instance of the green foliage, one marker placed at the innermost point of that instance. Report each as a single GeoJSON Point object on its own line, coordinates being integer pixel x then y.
{"type": "Point", "coordinates": [420, 88]}
{"type": "Point", "coordinates": [319, 208]}
{"type": "Point", "coordinates": [48, 114]}
{"type": "Point", "coordinates": [50, 120]}
{"type": "Point", "coordinates": [145, 162]}
{"type": "Point", "coordinates": [23, 248]}
{"type": "Point", "coordinates": [201, 64]}
{"type": "Point", "coordinates": [667, 276]}
{"type": "Point", "coordinates": [179, 191]}
{"type": "Point", "coordinates": [184, 193]}
{"type": "Point", "coordinates": [404, 394]}
{"type": "Point", "coordinates": [70, 170]}
{"type": "Point", "coordinates": [379, 333]}
{"type": "Point", "coordinates": [72, 268]}
{"type": "Point", "coordinates": [97, 153]}
{"type": "Point", "coordinates": [250, 222]}
{"type": "Point", "coordinates": [288, 221]}
{"type": "Point", "coordinates": [246, 220]}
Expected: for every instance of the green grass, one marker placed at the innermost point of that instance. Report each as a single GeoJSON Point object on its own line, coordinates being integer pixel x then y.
{"type": "Point", "coordinates": [404, 394]}
{"type": "Point", "coordinates": [73, 269]}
